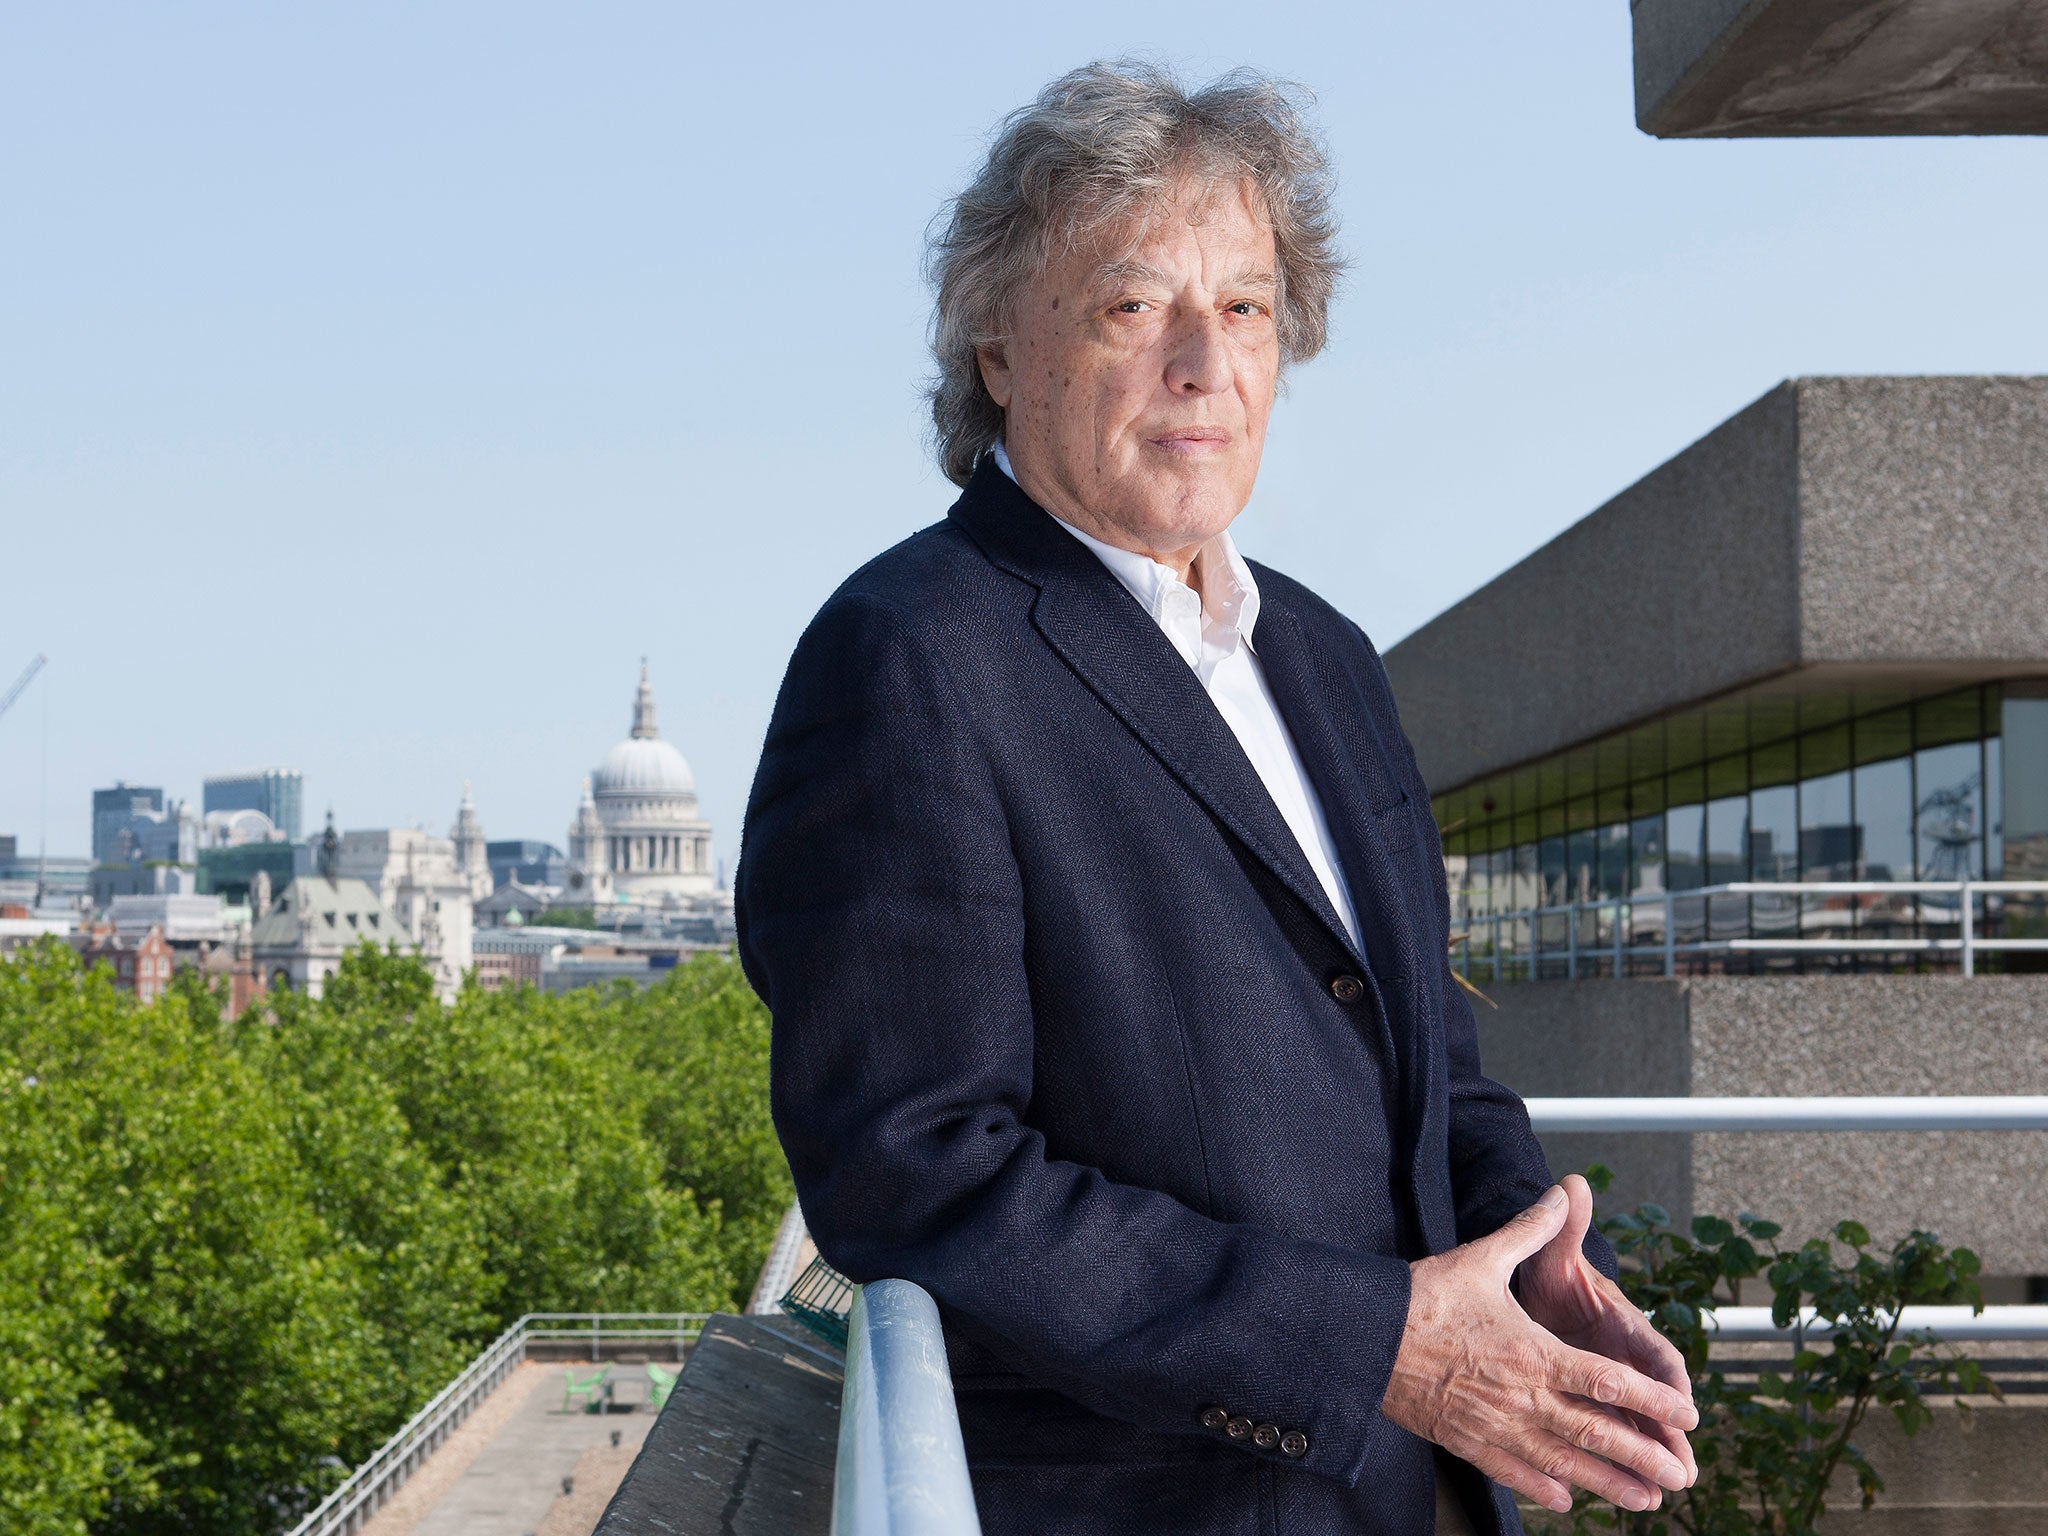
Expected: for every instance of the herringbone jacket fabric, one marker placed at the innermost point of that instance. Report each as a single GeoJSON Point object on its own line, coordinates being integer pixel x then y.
{"type": "Point", "coordinates": [1066, 1031]}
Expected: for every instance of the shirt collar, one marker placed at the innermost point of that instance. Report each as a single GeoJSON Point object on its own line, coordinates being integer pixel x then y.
{"type": "Point", "coordinates": [1230, 594]}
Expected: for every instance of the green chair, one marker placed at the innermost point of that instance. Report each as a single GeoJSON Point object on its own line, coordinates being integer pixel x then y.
{"type": "Point", "coordinates": [590, 1388]}
{"type": "Point", "coordinates": [659, 1384]}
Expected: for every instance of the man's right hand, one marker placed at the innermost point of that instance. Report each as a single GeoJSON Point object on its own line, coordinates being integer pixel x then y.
{"type": "Point", "coordinates": [1475, 1375]}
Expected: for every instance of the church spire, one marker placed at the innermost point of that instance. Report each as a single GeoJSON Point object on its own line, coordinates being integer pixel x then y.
{"type": "Point", "coordinates": [643, 707]}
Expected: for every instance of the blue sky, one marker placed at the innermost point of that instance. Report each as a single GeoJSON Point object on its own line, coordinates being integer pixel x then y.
{"type": "Point", "coordinates": [380, 382]}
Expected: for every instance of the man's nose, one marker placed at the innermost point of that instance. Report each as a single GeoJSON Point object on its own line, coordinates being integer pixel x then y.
{"type": "Point", "coordinates": [1200, 361]}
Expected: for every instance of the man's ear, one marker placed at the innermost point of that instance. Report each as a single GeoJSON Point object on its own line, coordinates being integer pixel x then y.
{"type": "Point", "coordinates": [996, 377]}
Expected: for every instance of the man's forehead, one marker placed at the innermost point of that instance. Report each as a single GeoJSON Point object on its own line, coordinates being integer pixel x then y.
{"type": "Point", "coordinates": [1136, 270]}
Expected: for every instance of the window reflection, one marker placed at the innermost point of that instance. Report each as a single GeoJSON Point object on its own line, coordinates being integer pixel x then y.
{"type": "Point", "coordinates": [1940, 789]}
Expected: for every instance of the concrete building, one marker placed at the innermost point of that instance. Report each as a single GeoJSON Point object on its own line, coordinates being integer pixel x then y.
{"type": "Point", "coordinates": [1811, 653]}
{"type": "Point", "coordinates": [278, 793]}
{"type": "Point", "coordinates": [1802, 68]}
{"type": "Point", "coordinates": [472, 856]}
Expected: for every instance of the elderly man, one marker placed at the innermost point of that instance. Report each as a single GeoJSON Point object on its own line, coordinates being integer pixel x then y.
{"type": "Point", "coordinates": [1095, 895]}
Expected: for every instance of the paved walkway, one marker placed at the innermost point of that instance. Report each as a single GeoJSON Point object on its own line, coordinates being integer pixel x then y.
{"type": "Point", "coordinates": [508, 1479]}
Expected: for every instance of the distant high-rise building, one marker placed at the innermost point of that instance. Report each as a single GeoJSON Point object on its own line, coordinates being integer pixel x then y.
{"type": "Point", "coordinates": [277, 792]}
{"type": "Point", "coordinates": [135, 824]}
{"type": "Point", "coordinates": [112, 809]}
{"type": "Point", "coordinates": [527, 860]}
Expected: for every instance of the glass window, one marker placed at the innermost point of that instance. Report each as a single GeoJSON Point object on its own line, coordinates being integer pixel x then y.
{"type": "Point", "coordinates": [1582, 866]}
{"type": "Point", "coordinates": [1727, 729]}
{"type": "Point", "coordinates": [1614, 860]}
{"type": "Point", "coordinates": [1824, 752]}
{"type": "Point", "coordinates": [1646, 854]}
{"type": "Point", "coordinates": [1613, 806]}
{"type": "Point", "coordinates": [1646, 752]}
{"type": "Point", "coordinates": [1581, 767]}
{"type": "Point", "coordinates": [1728, 776]}
{"type": "Point", "coordinates": [1994, 808]}
{"type": "Point", "coordinates": [1949, 718]}
{"type": "Point", "coordinates": [1686, 787]}
{"type": "Point", "coordinates": [2024, 759]}
{"type": "Point", "coordinates": [1727, 840]}
{"type": "Point", "coordinates": [1552, 872]}
{"type": "Point", "coordinates": [1614, 771]}
{"type": "Point", "coordinates": [1527, 890]}
{"type": "Point", "coordinates": [1549, 782]}
{"type": "Point", "coordinates": [1884, 819]}
{"type": "Point", "coordinates": [1685, 847]}
{"type": "Point", "coordinates": [1829, 847]}
{"type": "Point", "coordinates": [1777, 763]}
{"type": "Point", "coordinates": [1774, 833]}
{"type": "Point", "coordinates": [1580, 815]}
{"type": "Point", "coordinates": [1646, 798]}
{"type": "Point", "coordinates": [1883, 736]}
{"type": "Point", "coordinates": [1684, 743]}
{"type": "Point", "coordinates": [1949, 812]}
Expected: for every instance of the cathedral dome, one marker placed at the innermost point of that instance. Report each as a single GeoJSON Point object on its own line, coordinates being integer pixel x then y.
{"type": "Point", "coordinates": [643, 765]}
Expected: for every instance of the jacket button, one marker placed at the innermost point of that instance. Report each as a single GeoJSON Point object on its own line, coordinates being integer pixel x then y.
{"type": "Point", "coordinates": [1239, 1429]}
{"type": "Point", "coordinates": [1347, 988]}
{"type": "Point", "coordinates": [1294, 1443]}
{"type": "Point", "coordinates": [1266, 1436]}
{"type": "Point", "coordinates": [1214, 1417]}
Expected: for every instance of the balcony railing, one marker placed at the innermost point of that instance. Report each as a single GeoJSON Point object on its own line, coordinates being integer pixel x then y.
{"type": "Point", "coordinates": [902, 1468]}
{"type": "Point", "coordinates": [1651, 932]}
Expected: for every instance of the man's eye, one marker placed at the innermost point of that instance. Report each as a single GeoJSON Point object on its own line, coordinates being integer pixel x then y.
{"type": "Point", "coordinates": [1247, 307]}
{"type": "Point", "coordinates": [1132, 307]}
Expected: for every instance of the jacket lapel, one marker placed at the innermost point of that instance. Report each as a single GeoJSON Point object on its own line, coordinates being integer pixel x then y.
{"type": "Point", "coordinates": [1350, 767]}
{"type": "Point", "coordinates": [1112, 644]}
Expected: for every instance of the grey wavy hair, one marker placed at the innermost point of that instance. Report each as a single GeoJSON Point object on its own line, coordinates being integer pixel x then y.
{"type": "Point", "coordinates": [1100, 146]}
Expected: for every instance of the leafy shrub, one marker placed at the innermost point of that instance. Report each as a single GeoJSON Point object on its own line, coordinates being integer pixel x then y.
{"type": "Point", "coordinates": [235, 1255]}
{"type": "Point", "coordinates": [1767, 1452]}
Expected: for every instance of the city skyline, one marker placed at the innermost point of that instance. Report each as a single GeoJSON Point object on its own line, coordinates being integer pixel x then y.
{"type": "Point", "coordinates": [385, 441]}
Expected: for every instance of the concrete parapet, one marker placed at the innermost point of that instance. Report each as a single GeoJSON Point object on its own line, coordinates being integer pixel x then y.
{"type": "Point", "coordinates": [1718, 1036]}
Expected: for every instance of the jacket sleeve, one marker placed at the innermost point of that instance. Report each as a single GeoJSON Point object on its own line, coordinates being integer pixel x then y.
{"type": "Point", "coordinates": [881, 915]}
{"type": "Point", "coordinates": [1498, 1168]}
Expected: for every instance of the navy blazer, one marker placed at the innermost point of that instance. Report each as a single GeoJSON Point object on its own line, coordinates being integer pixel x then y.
{"type": "Point", "coordinates": [1067, 1031]}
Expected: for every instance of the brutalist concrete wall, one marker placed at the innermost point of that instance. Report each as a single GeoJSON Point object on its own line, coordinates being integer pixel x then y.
{"type": "Point", "coordinates": [1986, 1190]}
{"type": "Point", "coordinates": [1795, 68]}
{"type": "Point", "coordinates": [1683, 586]}
{"type": "Point", "coordinates": [1599, 1039]}
{"type": "Point", "coordinates": [1836, 525]}
{"type": "Point", "coordinates": [1819, 1035]}
{"type": "Point", "coordinates": [1924, 520]}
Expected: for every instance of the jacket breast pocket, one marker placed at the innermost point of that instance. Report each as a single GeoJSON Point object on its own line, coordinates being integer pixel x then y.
{"type": "Point", "coordinates": [1398, 829]}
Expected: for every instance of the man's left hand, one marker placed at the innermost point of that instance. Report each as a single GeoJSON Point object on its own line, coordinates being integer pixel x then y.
{"type": "Point", "coordinates": [1563, 1293]}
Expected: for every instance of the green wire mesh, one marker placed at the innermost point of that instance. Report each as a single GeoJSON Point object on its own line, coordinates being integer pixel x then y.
{"type": "Point", "coordinates": [820, 1300]}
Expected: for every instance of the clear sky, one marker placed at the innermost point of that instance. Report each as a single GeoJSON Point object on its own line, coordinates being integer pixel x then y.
{"type": "Point", "coordinates": [378, 382]}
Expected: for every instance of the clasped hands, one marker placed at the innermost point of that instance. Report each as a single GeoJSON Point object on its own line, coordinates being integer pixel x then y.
{"type": "Point", "coordinates": [1568, 1385]}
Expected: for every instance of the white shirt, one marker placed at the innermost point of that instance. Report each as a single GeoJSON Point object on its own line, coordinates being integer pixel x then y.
{"type": "Point", "coordinates": [1214, 637]}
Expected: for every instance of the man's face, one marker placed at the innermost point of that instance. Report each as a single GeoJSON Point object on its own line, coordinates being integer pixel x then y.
{"type": "Point", "coordinates": [1138, 378]}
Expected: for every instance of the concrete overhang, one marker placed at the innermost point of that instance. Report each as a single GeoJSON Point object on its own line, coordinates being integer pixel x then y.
{"type": "Point", "coordinates": [1793, 68]}
{"type": "Point", "coordinates": [1867, 531]}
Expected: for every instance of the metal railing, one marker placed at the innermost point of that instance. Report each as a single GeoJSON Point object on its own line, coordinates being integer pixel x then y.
{"type": "Point", "coordinates": [902, 1468]}
{"type": "Point", "coordinates": [1928, 1112]}
{"type": "Point", "coordinates": [1917, 1112]}
{"type": "Point", "coordinates": [373, 1483]}
{"type": "Point", "coordinates": [1613, 936]}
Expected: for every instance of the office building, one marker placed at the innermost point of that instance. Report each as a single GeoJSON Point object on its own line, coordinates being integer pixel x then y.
{"type": "Point", "coordinates": [279, 793]}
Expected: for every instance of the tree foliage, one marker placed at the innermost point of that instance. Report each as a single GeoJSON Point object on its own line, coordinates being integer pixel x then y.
{"type": "Point", "coordinates": [236, 1254]}
{"type": "Point", "coordinates": [1769, 1450]}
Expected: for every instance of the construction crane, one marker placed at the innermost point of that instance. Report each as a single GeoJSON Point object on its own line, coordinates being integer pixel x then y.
{"type": "Point", "coordinates": [28, 675]}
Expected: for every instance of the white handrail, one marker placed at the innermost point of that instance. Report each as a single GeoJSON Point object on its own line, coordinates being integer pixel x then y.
{"type": "Point", "coordinates": [902, 1467]}
{"type": "Point", "coordinates": [1753, 1325]}
{"type": "Point", "coordinates": [1929, 1112]}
